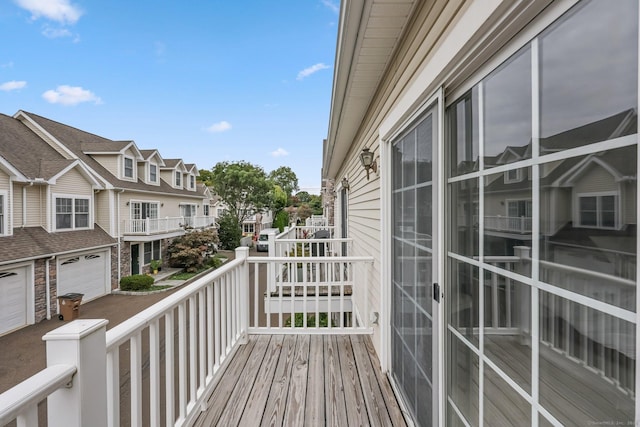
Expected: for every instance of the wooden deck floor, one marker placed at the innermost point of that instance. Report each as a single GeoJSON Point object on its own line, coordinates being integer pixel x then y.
{"type": "Point", "coordinates": [303, 380]}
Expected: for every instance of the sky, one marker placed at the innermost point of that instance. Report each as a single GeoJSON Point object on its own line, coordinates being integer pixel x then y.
{"type": "Point", "coordinates": [205, 81]}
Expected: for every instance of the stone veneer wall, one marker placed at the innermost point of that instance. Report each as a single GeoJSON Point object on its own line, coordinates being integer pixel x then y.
{"type": "Point", "coordinates": [125, 258]}
{"type": "Point", "coordinates": [114, 268]}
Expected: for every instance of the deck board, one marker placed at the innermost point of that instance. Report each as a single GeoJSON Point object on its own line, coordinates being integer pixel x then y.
{"type": "Point", "coordinates": [304, 380]}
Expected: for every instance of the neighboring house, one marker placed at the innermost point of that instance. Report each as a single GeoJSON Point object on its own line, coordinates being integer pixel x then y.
{"type": "Point", "coordinates": [502, 207]}
{"type": "Point", "coordinates": [79, 211]}
{"type": "Point", "coordinates": [251, 225]}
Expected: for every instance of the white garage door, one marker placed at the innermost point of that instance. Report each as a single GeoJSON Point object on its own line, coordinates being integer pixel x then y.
{"type": "Point", "coordinates": [85, 274]}
{"type": "Point", "coordinates": [13, 299]}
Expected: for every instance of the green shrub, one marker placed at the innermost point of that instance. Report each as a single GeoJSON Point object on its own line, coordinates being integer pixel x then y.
{"type": "Point", "coordinates": [311, 321]}
{"type": "Point", "coordinates": [281, 221]}
{"type": "Point", "coordinates": [192, 250]}
{"type": "Point", "coordinates": [229, 232]}
{"type": "Point", "coordinates": [136, 282]}
{"type": "Point", "coordinates": [214, 262]}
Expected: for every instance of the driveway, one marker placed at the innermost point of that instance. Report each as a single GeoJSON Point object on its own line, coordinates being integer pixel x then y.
{"type": "Point", "coordinates": [24, 353]}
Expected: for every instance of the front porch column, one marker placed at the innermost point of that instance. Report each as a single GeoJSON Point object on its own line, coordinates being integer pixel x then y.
{"type": "Point", "coordinates": [81, 343]}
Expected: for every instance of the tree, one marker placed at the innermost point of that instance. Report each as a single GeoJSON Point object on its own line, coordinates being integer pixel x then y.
{"type": "Point", "coordinates": [192, 250]}
{"type": "Point", "coordinates": [243, 187]}
{"type": "Point", "coordinates": [229, 232]}
{"type": "Point", "coordinates": [206, 177]}
{"type": "Point", "coordinates": [303, 197]}
{"type": "Point", "coordinates": [285, 178]}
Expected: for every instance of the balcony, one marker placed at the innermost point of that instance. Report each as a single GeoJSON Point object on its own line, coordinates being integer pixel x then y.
{"type": "Point", "coordinates": [508, 224]}
{"type": "Point", "coordinates": [169, 225]}
{"type": "Point", "coordinates": [249, 341]}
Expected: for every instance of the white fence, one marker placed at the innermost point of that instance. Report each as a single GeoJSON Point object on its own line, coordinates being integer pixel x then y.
{"type": "Point", "coordinates": [160, 366]}
{"type": "Point", "coordinates": [164, 225]}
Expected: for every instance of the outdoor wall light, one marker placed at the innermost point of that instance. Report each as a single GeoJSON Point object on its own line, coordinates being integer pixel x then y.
{"type": "Point", "coordinates": [345, 183]}
{"type": "Point", "coordinates": [127, 203]}
{"type": "Point", "coordinates": [366, 157]}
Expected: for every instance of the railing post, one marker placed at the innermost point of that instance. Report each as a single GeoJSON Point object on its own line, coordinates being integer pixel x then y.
{"type": "Point", "coordinates": [244, 305]}
{"type": "Point", "coordinates": [81, 343]}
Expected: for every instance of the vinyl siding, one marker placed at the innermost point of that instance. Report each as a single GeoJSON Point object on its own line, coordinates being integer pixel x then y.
{"type": "Point", "coordinates": [102, 217]}
{"type": "Point", "coordinates": [596, 179]}
{"type": "Point", "coordinates": [108, 162]}
{"type": "Point", "coordinates": [36, 205]}
{"type": "Point", "coordinates": [72, 183]}
{"type": "Point", "coordinates": [16, 208]}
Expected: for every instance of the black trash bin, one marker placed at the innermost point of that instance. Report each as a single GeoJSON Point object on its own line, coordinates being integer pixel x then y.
{"type": "Point", "coordinates": [69, 306]}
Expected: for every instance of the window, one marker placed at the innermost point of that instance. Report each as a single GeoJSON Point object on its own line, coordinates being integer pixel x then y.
{"type": "Point", "coordinates": [248, 228]}
{"type": "Point", "coordinates": [178, 179]}
{"type": "Point", "coordinates": [597, 211]}
{"type": "Point", "coordinates": [192, 182]}
{"type": "Point", "coordinates": [2, 215]}
{"type": "Point", "coordinates": [144, 210]}
{"type": "Point", "coordinates": [188, 210]}
{"type": "Point", "coordinates": [205, 210]}
{"type": "Point", "coordinates": [151, 251]}
{"type": "Point", "coordinates": [519, 208]}
{"type": "Point", "coordinates": [153, 173]}
{"type": "Point", "coordinates": [513, 175]}
{"type": "Point", "coordinates": [72, 213]}
{"type": "Point", "coordinates": [128, 167]}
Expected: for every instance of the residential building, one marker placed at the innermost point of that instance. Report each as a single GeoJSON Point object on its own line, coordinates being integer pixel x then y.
{"type": "Point", "coordinates": [79, 211]}
{"type": "Point", "coordinates": [501, 206]}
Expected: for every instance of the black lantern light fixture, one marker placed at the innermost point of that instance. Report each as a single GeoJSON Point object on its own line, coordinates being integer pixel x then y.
{"type": "Point", "coordinates": [345, 183]}
{"type": "Point", "coordinates": [366, 157]}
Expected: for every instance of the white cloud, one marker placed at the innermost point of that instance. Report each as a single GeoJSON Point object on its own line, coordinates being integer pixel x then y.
{"type": "Point", "coordinates": [310, 70]}
{"type": "Point", "coordinates": [7, 65]}
{"type": "Point", "coordinates": [55, 33]}
{"type": "Point", "coordinates": [222, 126]}
{"type": "Point", "coordinates": [70, 95]}
{"type": "Point", "coordinates": [331, 5]}
{"type": "Point", "coordinates": [280, 152]}
{"type": "Point", "coordinates": [55, 10]}
{"type": "Point", "coordinates": [12, 85]}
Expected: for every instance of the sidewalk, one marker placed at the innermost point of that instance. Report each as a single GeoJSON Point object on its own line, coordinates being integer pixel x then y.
{"type": "Point", "coordinates": [24, 353]}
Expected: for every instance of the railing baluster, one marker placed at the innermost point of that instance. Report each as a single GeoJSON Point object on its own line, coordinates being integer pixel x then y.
{"type": "Point", "coordinates": [113, 387]}
{"type": "Point", "coordinates": [210, 335]}
{"type": "Point", "coordinates": [169, 336]}
{"type": "Point", "coordinates": [182, 361]}
{"type": "Point", "coordinates": [193, 350]}
{"type": "Point", "coordinates": [217, 322]}
{"type": "Point", "coordinates": [223, 316]}
{"type": "Point", "coordinates": [135, 351]}
{"type": "Point", "coordinates": [154, 373]}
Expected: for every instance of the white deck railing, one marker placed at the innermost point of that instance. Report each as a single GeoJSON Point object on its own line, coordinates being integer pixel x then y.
{"type": "Point", "coordinates": [160, 366]}
{"type": "Point", "coordinates": [514, 224]}
{"type": "Point", "coordinates": [149, 226]}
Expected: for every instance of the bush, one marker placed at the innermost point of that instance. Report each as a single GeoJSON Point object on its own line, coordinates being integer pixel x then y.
{"type": "Point", "coordinates": [229, 232]}
{"type": "Point", "coordinates": [281, 221]}
{"type": "Point", "coordinates": [136, 282]}
{"type": "Point", "coordinates": [193, 250]}
{"type": "Point", "coordinates": [214, 262]}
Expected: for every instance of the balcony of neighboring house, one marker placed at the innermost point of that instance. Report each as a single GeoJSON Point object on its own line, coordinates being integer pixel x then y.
{"type": "Point", "coordinates": [508, 224]}
{"type": "Point", "coordinates": [168, 225]}
{"type": "Point", "coordinates": [282, 339]}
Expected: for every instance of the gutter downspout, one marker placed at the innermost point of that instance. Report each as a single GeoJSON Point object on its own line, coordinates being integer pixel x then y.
{"type": "Point", "coordinates": [119, 235]}
{"type": "Point", "coordinates": [47, 282]}
{"type": "Point", "coordinates": [24, 204]}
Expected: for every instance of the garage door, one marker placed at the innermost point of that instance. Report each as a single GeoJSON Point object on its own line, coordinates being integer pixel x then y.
{"type": "Point", "coordinates": [85, 274]}
{"type": "Point", "coordinates": [13, 299]}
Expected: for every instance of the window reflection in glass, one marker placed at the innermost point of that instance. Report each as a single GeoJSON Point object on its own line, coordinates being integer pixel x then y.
{"type": "Point", "coordinates": [507, 327]}
{"type": "Point", "coordinates": [463, 299]}
{"type": "Point", "coordinates": [426, 134]}
{"type": "Point", "coordinates": [584, 99]}
{"type": "Point", "coordinates": [464, 217]}
{"type": "Point", "coordinates": [463, 379]}
{"type": "Point", "coordinates": [502, 405]}
{"type": "Point", "coordinates": [587, 363]}
{"type": "Point", "coordinates": [507, 111]}
{"type": "Point", "coordinates": [588, 225]}
{"type": "Point", "coordinates": [508, 220]}
{"type": "Point", "coordinates": [463, 120]}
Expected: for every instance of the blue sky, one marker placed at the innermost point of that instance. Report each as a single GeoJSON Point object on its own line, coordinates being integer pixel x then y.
{"type": "Point", "coordinates": [205, 81]}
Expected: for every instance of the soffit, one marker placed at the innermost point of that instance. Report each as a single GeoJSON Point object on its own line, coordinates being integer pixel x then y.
{"type": "Point", "coordinates": [367, 38]}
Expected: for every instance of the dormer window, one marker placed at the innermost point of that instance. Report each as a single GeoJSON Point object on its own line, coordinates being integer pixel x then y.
{"type": "Point", "coordinates": [153, 173]}
{"type": "Point", "coordinates": [192, 182]}
{"type": "Point", "coordinates": [128, 167]}
{"type": "Point", "coordinates": [178, 179]}
{"type": "Point", "coordinates": [513, 175]}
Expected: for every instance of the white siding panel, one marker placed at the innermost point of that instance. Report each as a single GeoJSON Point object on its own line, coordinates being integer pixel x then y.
{"type": "Point", "coordinates": [73, 182]}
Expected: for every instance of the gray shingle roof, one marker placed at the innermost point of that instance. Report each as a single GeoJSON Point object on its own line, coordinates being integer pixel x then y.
{"type": "Point", "coordinates": [78, 141]}
{"type": "Point", "coordinates": [35, 242]}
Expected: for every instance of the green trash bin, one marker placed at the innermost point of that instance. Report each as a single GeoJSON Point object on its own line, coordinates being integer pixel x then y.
{"type": "Point", "coordinates": [69, 306]}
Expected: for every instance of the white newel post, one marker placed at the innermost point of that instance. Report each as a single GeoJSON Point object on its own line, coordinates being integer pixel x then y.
{"type": "Point", "coordinates": [81, 343]}
{"type": "Point", "coordinates": [244, 303]}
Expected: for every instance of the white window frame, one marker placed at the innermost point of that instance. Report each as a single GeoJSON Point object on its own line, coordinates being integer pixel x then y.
{"type": "Point", "coordinates": [192, 181]}
{"type": "Point", "coordinates": [151, 178]}
{"type": "Point", "coordinates": [133, 203]}
{"type": "Point", "coordinates": [193, 208]}
{"type": "Point", "coordinates": [4, 214]}
{"type": "Point", "coordinates": [248, 228]}
{"type": "Point", "coordinates": [177, 179]}
{"type": "Point", "coordinates": [124, 168]}
{"type": "Point", "coordinates": [508, 201]}
{"type": "Point", "coordinates": [508, 179]}
{"type": "Point", "coordinates": [73, 198]}
{"type": "Point", "coordinates": [598, 195]}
